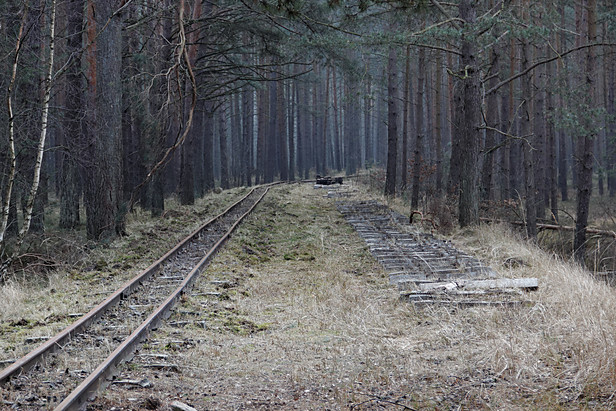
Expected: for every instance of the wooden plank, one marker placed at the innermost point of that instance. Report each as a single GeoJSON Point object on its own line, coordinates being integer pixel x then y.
{"type": "Point", "coordinates": [530, 284]}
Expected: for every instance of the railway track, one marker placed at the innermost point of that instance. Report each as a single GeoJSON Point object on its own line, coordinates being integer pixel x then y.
{"type": "Point", "coordinates": [428, 270]}
{"type": "Point", "coordinates": [68, 369]}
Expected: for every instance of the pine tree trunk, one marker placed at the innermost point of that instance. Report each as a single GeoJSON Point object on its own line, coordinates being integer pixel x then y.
{"type": "Point", "coordinates": [322, 143]}
{"type": "Point", "coordinates": [438, 122]}
{"type": "Point", "coordinates": [262, 114]}
{"type": "Point", "coordinates": [392, 123]}
{"type": "Point", "coordinates": [271, 166]}
{"type": "Point", "coordinates": [611, 124]}
{"type": "Point", "coordinates": [337, 162]}
{"type": "Point", "coordinates": [368, 135]}
{"type": "Point", "coordinates": [406, 114]}
{"type": "Point", "coordinates": [539, 139]}
{"type": "Point", "coordinates": [551, 145]}
{"type": "Point", "coordinates": [291, 121]}
{"type": "Point", "coordinates": [492, 121]}
{"type": "Point", "coordinates": [247, 135]}
{"type": "Point", "coordinates": [526, 115]}
{"type": "Point", "coordinates": [419, 127]}
{"type": "Point", "coordinates": [222, 141]}
{"type": "Point", "coordinates": [103, 171]}
{"type": "Point", "coordinates": [467, 119]}
{"type": "Point", "coordinates": [281, 132]}
{"type": "Point", "coordinates": [586, 143]}
{"type": "Point", "coordinates": [69, 189]}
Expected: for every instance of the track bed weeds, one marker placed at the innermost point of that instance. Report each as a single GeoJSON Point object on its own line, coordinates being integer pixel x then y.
{"type": "Point", "coordinates": [295, 314]}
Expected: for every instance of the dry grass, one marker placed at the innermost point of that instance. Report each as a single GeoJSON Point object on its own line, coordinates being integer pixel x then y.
{"type": "Point", "coordinates": [311, 323]}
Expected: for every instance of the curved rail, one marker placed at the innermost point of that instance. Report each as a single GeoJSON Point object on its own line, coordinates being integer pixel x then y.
{"type": "Point", "coordinates": [76, 400]}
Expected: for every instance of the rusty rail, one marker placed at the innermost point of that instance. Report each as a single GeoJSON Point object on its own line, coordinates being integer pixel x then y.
{"type": "Point", "coordinates": [77, 399]}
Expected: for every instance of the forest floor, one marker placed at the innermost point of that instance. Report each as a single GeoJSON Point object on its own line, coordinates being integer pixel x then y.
{"type": "Point", "coordinates": [303, 317]}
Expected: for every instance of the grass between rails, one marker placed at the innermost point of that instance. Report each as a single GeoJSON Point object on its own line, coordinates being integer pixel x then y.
{"type": "Point", "coordinates": [311, 323]}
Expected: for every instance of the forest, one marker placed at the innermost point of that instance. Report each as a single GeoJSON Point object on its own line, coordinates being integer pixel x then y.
{"type": "Point", "coordinates": [113, 105]}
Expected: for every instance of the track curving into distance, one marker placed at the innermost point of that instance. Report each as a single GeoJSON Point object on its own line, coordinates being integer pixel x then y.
{"type": "Point", "coordinates": [69, 368]}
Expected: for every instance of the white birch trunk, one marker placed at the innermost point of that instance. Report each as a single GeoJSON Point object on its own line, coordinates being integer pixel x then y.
{"type": "Point", "coordinates": [44, 125]}
{"type": "Point", "coordinates": [12, 156]}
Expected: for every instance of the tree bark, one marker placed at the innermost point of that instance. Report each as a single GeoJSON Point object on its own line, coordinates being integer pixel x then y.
{"type": "Point", "coordinates": [551, 145]}
{"type": "Point", "coordinates": [38, 166]}
{"type": "Point", "coordinates": [222, 140]}
{"type": "Point", "coordinates": [525, 119]}
{"type": "Point", "coordinates": [419, 127]}
{"type": "Point", "coordinates": [70, 188]}
{"type": "Point", "coordinates": [8, 194]}
{"type": "Point", "coordinates": [392, 122]}
{"type": "Point", "coordinates": [492, 121]}
{"type": "Point", "coordinates": [438, 122]}
{"type": "Point", "coordinates": [467, 119]}
{"type": "Point", "coordinates": [406, 114]}
{"type": "Point", "coordinates": [281, 131]}
{"type": "Point", "coordinates": [586, 142]}
{"type": "Point", "coordinates": [103, 171]}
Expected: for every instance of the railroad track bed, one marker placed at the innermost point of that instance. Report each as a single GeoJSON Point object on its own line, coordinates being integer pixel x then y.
{"type": "Point", "coordinates": [70, 361]}
{"type": "Point", "coordinates": [428, 270]}
{"type": "Point", "coordinates": [162, 372]}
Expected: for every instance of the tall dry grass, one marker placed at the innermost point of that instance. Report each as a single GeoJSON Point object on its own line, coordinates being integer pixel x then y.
{"type": "Point", "coordinates": [566, 340]}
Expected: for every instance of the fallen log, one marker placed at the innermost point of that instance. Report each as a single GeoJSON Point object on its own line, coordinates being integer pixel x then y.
{"type": "Point", "coordinates": [596, 231]}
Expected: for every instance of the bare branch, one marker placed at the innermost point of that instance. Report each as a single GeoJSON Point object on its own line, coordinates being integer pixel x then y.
{"type": "Point", "coordinates": [445, 13]}
{"type": "Point", "coordinates": [545, 61]}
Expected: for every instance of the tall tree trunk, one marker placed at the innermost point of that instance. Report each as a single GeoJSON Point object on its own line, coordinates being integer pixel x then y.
{"type": "Point", "coordinates": [352, 128]}
{"type": "Point", "coordinates": [419, 127]}
{"type": "Point", "coordinates": [406, 114]}
{"type": "Point", "coordinates": [392, 122]}
{"type": "Point", "coordinates": [551, 144]}
{"type": "Point", "coordinates": [526, 114]}
{"type": "Point", "coordinates": [493, 122]}
{"type": "Point", "coordinates": [281, 131]}
{"type": "Point", "coordinates": [262, 134]}
{"type": "Point", "coordinates": [337, 162]}
{"type": "Point", "coordinates": [322, 143]}
{"type": "Point", "coordinates": [38, 166]}
{"type": "Point", "coordinates": [611, 123]}
{"type": "Point", "coordinates": [468, 118]}
{"type": "Point", "coordinates": [368, 135]}
{"type": "Point", "coordinates": [222, 141]}
{"type": "Point", "coordinates": [103, 171]}
{"type": "Point", "coordinates": [291, 122]}
{"type": "Point", "coordinates": [70, 189]}
{"type": "Point", "coordinates": [247, 135]}
{"type": "Point", "coordinates": [586, 141]}
{"type": "Point", "coordinates": [438, 123]}
{"type": "Point", "coordinates": [8, 195]}
{"type": "Point", "coordinates": [187, 174]}
{"type": "Point", "coordinates": [539, 137]}
{"type": "Point", "coordinates": [272, 142]}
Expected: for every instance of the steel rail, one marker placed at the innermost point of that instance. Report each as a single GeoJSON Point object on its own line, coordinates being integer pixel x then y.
{"type": "Point", "coordinates": [37, 355]}
{"type": "Point", "coordinates": [97, 380]}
